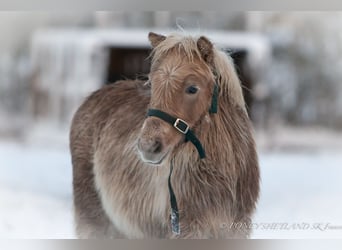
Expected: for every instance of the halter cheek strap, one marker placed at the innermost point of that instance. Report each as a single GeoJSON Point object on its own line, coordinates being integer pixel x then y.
{"type": "Point", "coordinates": [214, 100]}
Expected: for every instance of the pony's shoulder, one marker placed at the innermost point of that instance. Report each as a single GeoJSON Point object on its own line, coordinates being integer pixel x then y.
{"type": "Point", "coordinates": [122, 88]}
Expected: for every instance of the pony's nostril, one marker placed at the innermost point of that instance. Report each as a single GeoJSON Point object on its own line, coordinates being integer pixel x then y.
{"type": "Point", "coordinates": [157, 146]}
{"type": "Point", "coordinates": [150, 146]}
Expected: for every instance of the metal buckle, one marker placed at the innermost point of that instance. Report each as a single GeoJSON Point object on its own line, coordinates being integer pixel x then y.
{"type": "Point", "coordinates": [180, 121]}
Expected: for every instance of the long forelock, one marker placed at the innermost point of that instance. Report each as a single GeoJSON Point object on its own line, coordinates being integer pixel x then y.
{"type": "Point", "coordinates": [185, 44]}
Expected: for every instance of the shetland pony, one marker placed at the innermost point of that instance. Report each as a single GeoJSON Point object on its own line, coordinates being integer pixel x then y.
{"type": "Point", "coordinates": [121, 157]}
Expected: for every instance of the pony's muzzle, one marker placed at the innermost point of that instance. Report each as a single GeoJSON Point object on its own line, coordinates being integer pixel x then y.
{"type": "Point", "coordinates": [153, 146]}
{"type": "Point", "coordinates": [151, 150]}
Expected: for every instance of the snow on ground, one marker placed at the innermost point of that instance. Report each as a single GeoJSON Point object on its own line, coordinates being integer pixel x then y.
{"type": "Point", "coordinates": [303, 189]}
{"type": "Point", "coordinates": [298, 188]}
{"type": "Point", "coordinates": [35, 192]}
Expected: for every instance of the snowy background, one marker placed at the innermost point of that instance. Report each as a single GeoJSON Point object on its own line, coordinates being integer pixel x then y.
{"type": "Point", "coordinates": [296, 113]}
{"type": "Point", "coordinates": [297, 187]}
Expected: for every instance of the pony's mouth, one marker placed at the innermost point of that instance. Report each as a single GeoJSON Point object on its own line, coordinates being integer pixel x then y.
{"type": "Point", "coordinates": [155, 161]}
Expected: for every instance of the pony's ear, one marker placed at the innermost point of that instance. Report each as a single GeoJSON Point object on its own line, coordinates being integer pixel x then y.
{"type": "Point", "coordinates": [155, 39]}
{"type": "Point", "coordinates": [206, 49]}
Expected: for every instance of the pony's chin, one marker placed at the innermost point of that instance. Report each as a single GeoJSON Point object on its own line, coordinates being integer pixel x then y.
{"type": "Point", "coordinates": [154, 162]}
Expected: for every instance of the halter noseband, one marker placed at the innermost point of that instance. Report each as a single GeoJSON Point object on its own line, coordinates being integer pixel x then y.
{"type": "Point", "coordinates": [181, 126]}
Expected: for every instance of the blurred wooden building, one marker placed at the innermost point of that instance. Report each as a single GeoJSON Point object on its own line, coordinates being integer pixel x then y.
{"type": "Point", "coordinates": [69, 64]}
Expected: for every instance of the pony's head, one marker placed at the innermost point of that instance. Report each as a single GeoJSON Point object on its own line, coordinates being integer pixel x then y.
{"type": "Point", "coordinates": [182, 83]}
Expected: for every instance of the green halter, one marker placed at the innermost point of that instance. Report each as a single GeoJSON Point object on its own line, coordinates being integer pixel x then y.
{"type": "Point", "coordinates": [183, 128]}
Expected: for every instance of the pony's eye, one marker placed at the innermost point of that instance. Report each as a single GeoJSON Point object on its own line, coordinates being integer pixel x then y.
{"type": "Point", "coordinates": [191, 90]}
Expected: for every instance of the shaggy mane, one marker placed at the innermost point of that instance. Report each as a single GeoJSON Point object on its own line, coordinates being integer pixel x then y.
{"type": "Point", "coordinates": [223, 68]}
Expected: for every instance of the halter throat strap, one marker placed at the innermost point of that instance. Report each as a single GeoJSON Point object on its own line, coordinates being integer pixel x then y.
{"type": "Point", "coordinates": [181, 126]}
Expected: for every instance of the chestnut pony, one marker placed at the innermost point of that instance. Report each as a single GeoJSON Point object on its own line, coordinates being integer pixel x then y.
{"type": "Point", "coordinates": [190, 116]}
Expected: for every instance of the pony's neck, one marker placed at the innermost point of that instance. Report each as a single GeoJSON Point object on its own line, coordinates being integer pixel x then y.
{"type": "Point", "coordinates": [217, 129]}
{"type": "Point", "coordinates": [216, 132]}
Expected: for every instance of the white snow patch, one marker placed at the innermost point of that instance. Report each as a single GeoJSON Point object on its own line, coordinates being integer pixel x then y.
{"type": "Point", "coordinates": [298, 187]}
